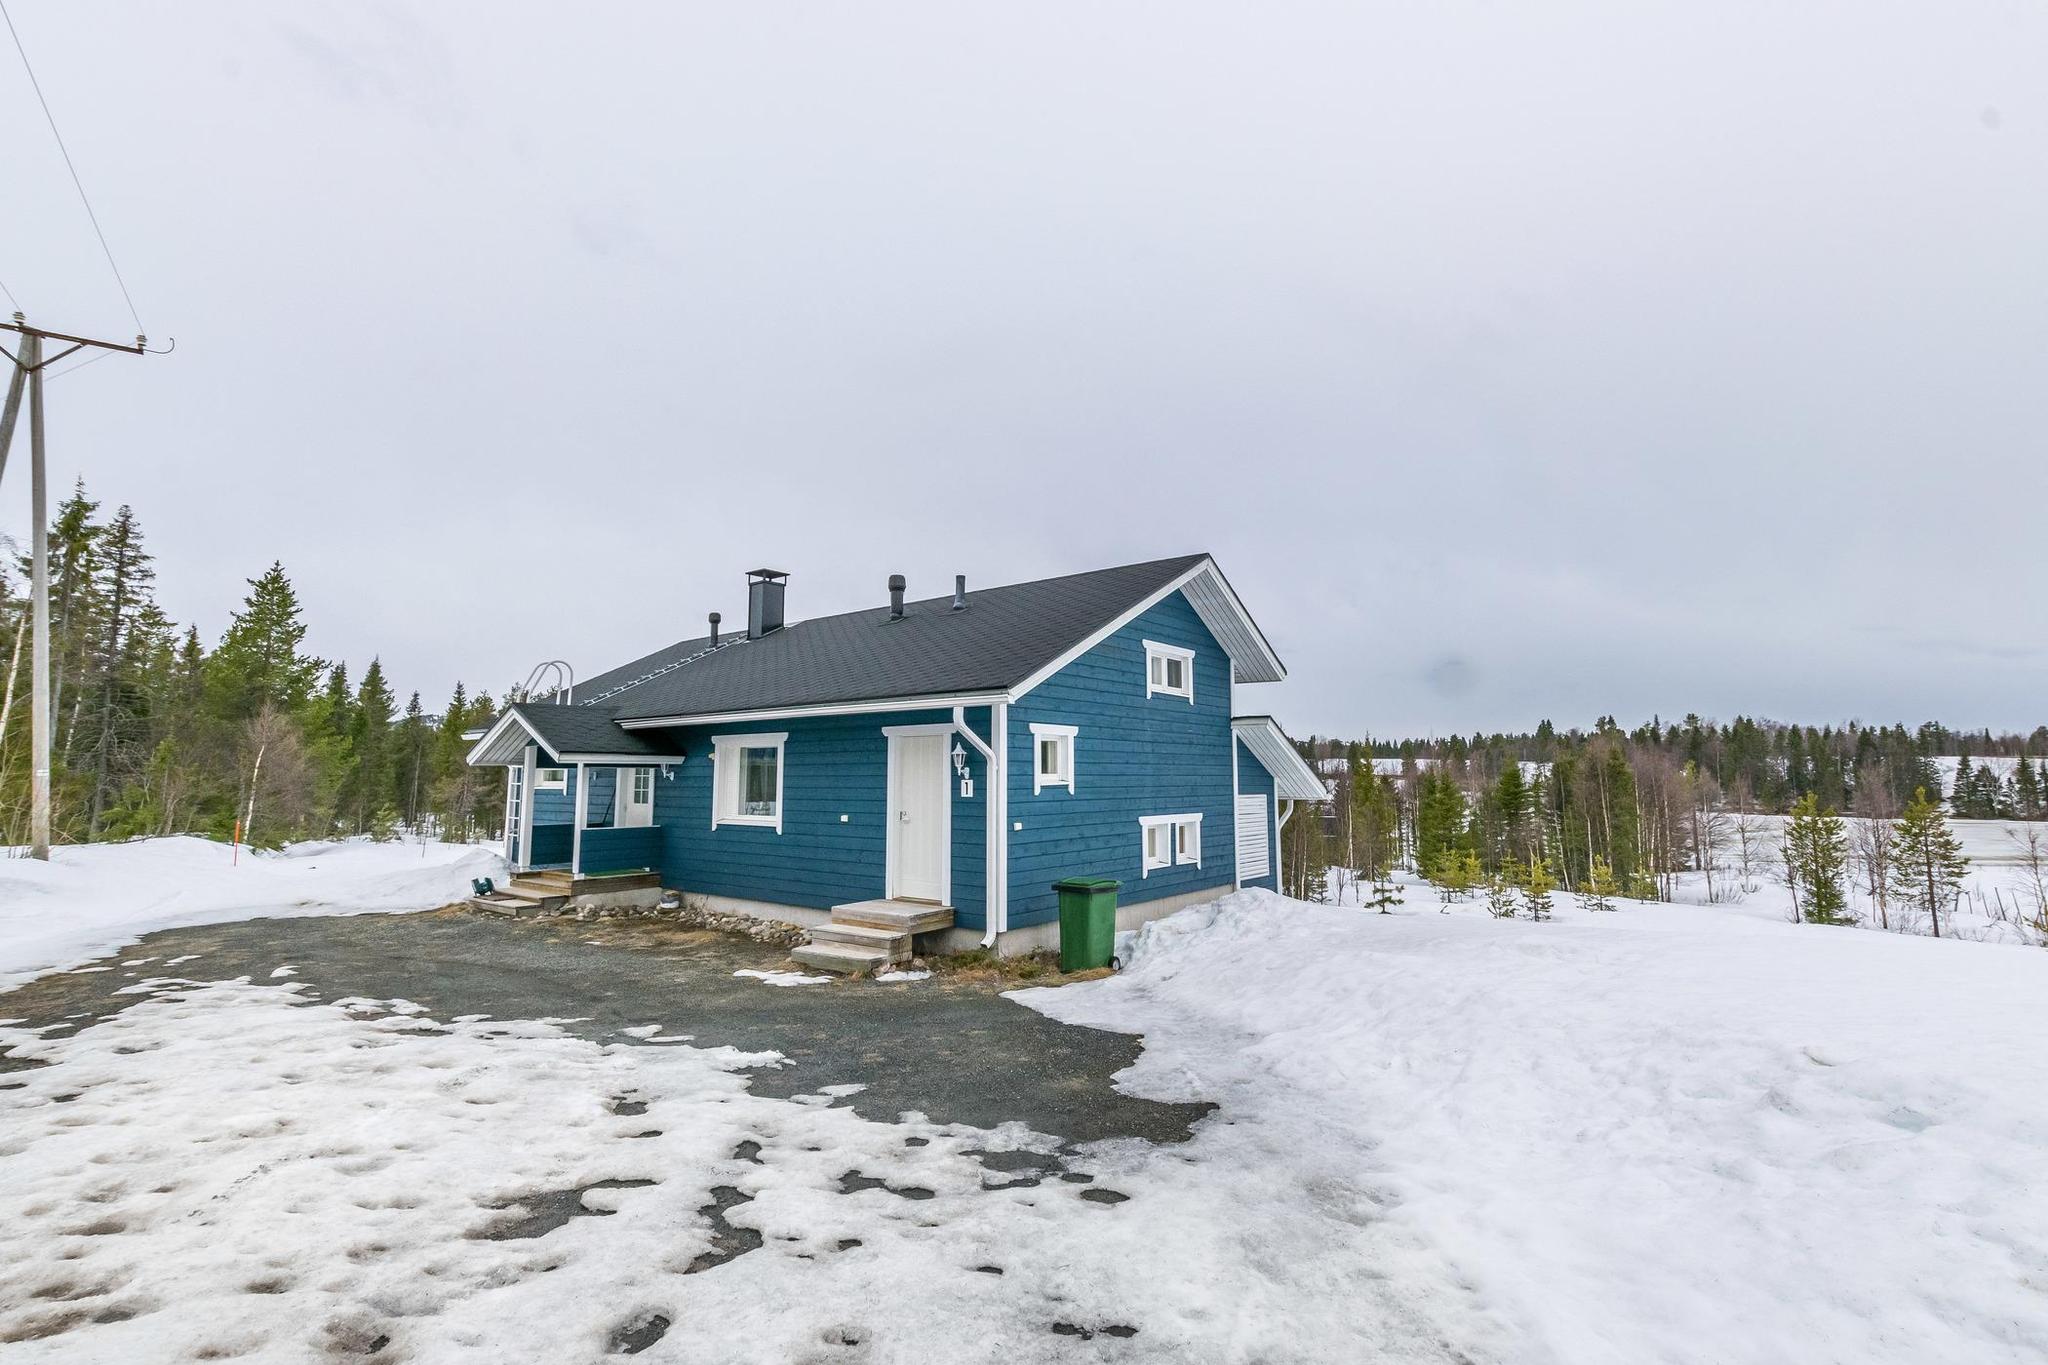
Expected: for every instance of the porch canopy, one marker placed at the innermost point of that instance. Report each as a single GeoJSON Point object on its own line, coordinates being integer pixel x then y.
{"type": "Point", "coordinates": [530, 736]}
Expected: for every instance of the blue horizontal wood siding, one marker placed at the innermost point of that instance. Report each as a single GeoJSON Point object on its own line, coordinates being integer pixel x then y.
{"type": "Point", "coordinates": [834, 767]}
{"type": "Point", "coordinates": [1253, 780]}
{"type": "Point", "coordinates": [1134, 756]}
{"type": "Point", "coordinates": [620, 850]}
{"type": "Point", "coordinates": [551, 845]}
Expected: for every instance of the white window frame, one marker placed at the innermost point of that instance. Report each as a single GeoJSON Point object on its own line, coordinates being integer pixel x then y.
{"type": "Point", "coordinates": [1187, 829]}
{"type": "Point", "coordinates": [725, 778]}
{"type": "Point", "coordinates": [558, 783]}
{"type": "Point", "coordinates": [1158, 658]}
{"type": "Point", "coordinates": [1063, 737]}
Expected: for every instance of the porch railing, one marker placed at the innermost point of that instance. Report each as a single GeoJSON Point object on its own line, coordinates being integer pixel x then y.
{"type": "Point", "coordinates": [607, 849]}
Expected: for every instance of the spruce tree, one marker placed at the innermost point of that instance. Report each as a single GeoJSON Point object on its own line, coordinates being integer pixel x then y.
{"type": "Point", "coordinates": [1600, 888]}
{"type": "Point", "coordinates": [2026, 790]}
{"type": "Point", "coordinates": [1928, 864]}
{"type": "Point", "coordinates": [1965, 788]}
{"type": "Point", "coordinates": [258, 662]}
{"type": "Point", "coordinates": [1822, 854]}
{"type": "Point", "coordinates": [369, 780]}
{"type": "Point", "coordinates": [1536, 888]}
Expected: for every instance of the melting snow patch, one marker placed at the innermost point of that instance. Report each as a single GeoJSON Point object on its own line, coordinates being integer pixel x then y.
{"type": "Point", "coordinates": [286, 970]}
{"type": "Point", "coordinates": [782, 978]}
{"type": "Point", "coordinates": [891, 977]}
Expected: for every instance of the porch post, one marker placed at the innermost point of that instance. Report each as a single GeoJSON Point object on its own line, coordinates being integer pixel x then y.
{"type": "Point", "coordinates": [582, 818]}
{"type": "Point", "coordinates": [528, 765]}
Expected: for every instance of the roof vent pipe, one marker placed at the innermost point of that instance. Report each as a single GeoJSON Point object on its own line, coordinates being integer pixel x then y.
{"type": "Point", "coordinates": [959, 592]}
{"type": "Point", "coordinates": [715, 619]}
{"type": "Point", "coordinates": [896, 587]}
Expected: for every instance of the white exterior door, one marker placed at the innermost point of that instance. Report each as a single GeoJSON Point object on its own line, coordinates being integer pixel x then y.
{"type": "Point", "coordinates": [636, 798]}
{"type": "Point", "coordinates": [1254, 837]}
{"type": "Point", "coordinates": [920, 818]}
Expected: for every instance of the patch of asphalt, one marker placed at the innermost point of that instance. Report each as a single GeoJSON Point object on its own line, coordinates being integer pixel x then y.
{"type": "Point", "coordinates": [956, 1051]}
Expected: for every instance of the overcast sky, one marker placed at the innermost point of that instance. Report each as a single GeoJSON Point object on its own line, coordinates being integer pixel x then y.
{"type": "Point", "coordinates": [1515, 361]}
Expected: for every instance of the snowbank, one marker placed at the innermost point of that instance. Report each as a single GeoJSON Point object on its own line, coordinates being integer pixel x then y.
{"type": "Point", "coordinates": [1667, 1134]}
{"type": "Point", "coordinates": [91, 899]}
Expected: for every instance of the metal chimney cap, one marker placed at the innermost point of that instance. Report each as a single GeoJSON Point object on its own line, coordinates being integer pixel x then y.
{"type": "Point", "coordinates": [897, 582]}
{"type": "Point", "coordinates": [766, 573]}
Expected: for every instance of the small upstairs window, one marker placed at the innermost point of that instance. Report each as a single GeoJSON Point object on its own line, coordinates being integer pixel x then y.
{"type": "Point", "coordinates": [1052, 765]}
{"type": "Point", "coordinates": [551, 779]}
{"type": "Point", "coordinates": [1169, 671]}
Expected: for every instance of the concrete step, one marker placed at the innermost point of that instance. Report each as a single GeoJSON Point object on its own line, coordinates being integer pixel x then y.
{"type": "Point", "coordinates": [502, 903]}
{"type": "Point", "coordinates": [900, 917]}
{"type": "Point", "coordinates": [896, 945]}
{"type": "Point", "coordinates": [840, 957]}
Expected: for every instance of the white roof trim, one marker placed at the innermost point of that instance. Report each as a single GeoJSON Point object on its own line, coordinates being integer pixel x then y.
{"type": "Point", "coordinates": [1293, 779]}
{"type": "Point", "coordinates": [838, 708]}
{"type": "Point", "coordinates": [1251, 658]}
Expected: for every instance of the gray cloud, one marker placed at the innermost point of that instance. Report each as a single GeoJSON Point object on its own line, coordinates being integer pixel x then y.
{"type": "Point", "coordinates": [1639, 359]}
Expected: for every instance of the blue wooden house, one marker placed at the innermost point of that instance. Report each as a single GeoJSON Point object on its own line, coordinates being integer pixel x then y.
{"type": "Point", "coordinates": [921, 767]}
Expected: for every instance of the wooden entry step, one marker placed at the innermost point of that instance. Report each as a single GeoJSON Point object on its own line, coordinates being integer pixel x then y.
{"type": "Point", "coordinates": [871, 936]}
{"type": "Point", "coordinates": [902, 917]}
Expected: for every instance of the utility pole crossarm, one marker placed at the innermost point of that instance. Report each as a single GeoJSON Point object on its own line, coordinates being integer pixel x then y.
{"type": "Point", "coordinates": [137, 347]}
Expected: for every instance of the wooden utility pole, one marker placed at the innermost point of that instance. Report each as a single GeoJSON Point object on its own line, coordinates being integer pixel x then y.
{"type": "Point", "coordinates": [29, 364]}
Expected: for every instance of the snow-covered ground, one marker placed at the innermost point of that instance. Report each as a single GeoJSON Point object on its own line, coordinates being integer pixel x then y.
{"type": "Point", "coordinates": [1674, 1133]}
{"type": "Point", "coordinates": [1669, 1133]}
{"type": "Point", "coordinates": [91, 899]}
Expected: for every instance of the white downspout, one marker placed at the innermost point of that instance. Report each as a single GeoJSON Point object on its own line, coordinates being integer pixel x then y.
{"type": "Point", "coordinates": [1280, 871]}
{"type": "Point", "coordinates": [576, 830]}
{"type": "Point", "coordinates": [994, 912]}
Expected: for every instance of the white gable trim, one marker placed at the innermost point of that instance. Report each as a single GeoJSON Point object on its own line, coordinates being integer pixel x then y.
{"type": "Point", "coordinates": [1252, 659]}
{"type": "Point", "coordinates": [1293, 779]}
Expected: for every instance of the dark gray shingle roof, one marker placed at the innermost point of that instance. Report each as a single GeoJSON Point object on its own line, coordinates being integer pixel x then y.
{"type": "Point", "coordinates": [1004, 636]}
{"type": "Point", "coordinates": [568, 730]}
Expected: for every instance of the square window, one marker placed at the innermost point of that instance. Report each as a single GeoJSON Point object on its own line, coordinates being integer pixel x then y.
{"type": "Point", "coordinates": [1052, 756]}
{"type": "Point", "coordinates": [1169, 671]}
{"type": "Point", "coordinates": [747, 780]}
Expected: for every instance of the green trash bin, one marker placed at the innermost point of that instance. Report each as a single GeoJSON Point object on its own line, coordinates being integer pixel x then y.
{"type": "Point", "coordinates": [1087, 921]}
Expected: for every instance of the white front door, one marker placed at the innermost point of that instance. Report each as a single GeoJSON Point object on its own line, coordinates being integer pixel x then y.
{"type": "Point", "coordinates": [636, 798]}
{"type": "Point", "coordinates": [920, 817]}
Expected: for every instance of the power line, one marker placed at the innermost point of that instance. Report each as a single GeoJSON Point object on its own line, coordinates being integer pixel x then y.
{"type": "Point", "coordinates": [10, 296]}
{"type": "Point", "coordinates": [80, 184]}
{"type": "Point", "coordinates": [73, 369]}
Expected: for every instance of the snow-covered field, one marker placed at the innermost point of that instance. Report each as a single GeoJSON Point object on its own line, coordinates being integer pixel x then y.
{"type": "Point", "coordinates": [1670, 1133]}
{"type": "Point", "coordinates": [89, 900]}
{"type": "Point", "coordinates": [1673, 1133]}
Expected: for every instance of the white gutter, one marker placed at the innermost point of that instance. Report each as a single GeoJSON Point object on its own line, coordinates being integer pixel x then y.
{"type": "Point", "coordinates": [995, 910]}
